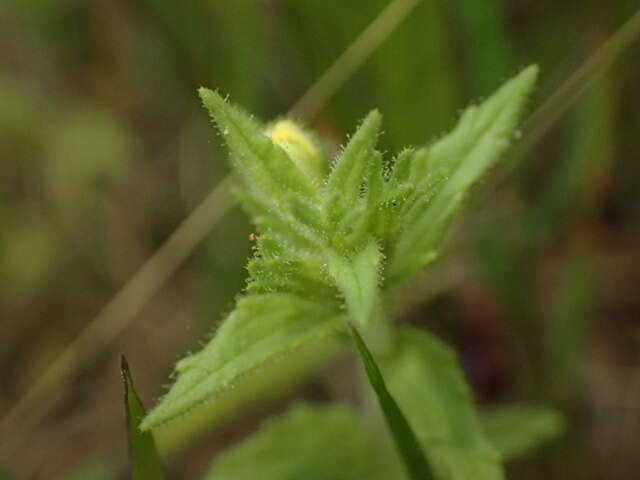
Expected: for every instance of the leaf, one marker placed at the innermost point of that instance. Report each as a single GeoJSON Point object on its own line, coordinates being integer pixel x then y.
{"type": "Point", "coordinates": [274, 186]}
{"type": "Point", "coordinates": [275, 268]}
{"type": "Point", "coordinates": [345, 206]}
{"type": "Point", "coordinates": [276, 222]}
{"type": "Point", "coordinates": [358, 279]}
{"type": "Point", "coordinates": [405, 440]}
{"type": "Point", "coordinates": [276, 382]}
{"type": "Point", "coordinates": [516, 430]}
{"type": "Point", "coordinates": [145, 460]}
{"type": "Point", "coordinates": [424, 377]}
{"type": "Point", "coordinates": [314, 443]}
{"type": "Point", "coordinates": [349, 169]}
{"type": "Point", "coordinates": [443, 172]}
{"type": "Point", "coordinates": [262, 328]}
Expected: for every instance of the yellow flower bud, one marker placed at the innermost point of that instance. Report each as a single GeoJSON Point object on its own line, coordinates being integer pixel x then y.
{"type": "Point", "coordinates": [299, 145]}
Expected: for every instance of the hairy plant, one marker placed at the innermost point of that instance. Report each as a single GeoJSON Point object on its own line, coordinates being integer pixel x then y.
{"type": "Point", "coordinates": [333, 240]}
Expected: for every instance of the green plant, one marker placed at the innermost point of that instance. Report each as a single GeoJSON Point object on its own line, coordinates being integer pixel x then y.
{"type": "Point", "coordinates": [333, 241]}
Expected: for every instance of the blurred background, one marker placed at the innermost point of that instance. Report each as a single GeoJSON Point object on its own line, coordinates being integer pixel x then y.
{"type": "Point", "coordinates": [105, 150]}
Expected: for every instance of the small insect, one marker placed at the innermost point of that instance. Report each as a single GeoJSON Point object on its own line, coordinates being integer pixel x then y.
{"type": "Point", "coordinates": [253, 237]}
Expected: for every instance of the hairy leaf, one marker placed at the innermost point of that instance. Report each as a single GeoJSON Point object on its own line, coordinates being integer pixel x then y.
{"type": "Point", "coordinates": [516, 430]}
{"type": "Point", "coordinates": [345, 207]}
{"type": "Point", "coordinates": [443, 172]}
{"type": "Point", "coordinates": [274, 186]}
{"type": "Point", "coordinates": [357, 279]}
{"type": "Point", "coordinates": [424, 377]}
{"type": "Point", "coordinates": [314, 443]}
{"type": "Point", "coordinates": [275, 268]}
{"type": "Point", "coordinates": [405, 440]}
{"type": "Point", "coordinates": [262, 328]}
{"type": "Point", "coordinates": [145, 461]}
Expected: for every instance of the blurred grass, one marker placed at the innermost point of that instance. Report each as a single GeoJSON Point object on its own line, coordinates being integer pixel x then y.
{"type": "Point", "coordinates": [145, 462]}
{"type": "Point", "coordinates": [104, 149]}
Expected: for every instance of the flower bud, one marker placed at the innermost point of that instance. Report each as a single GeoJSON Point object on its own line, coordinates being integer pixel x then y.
{"type": "Point", "coordinates": [301, 147]}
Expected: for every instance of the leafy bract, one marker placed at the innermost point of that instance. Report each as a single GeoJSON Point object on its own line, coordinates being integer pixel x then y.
{"type": "Point", "coordinates": [444, 171]}
{"type": "Point", "coordinates": [145, 460]}
{"type": "Point", "coordinates": [515, 430]}
{"type": "Point", "coordinates": [424, 377]}
{"type": "Point", "coordinates": [314, 443]}
{"type": "Point", "coordinates": [262, 328]}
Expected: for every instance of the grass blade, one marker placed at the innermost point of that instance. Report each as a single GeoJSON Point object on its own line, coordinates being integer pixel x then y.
{"type": "Point", "coordinates": [145, 461]}
{"type": "Point", "coordinates": [405, 440]}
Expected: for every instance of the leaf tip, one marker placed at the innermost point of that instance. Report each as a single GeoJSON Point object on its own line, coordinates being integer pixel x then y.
{"type": "Point", "coordinates": [207, 94]}
{"type": "Point", "coordinates": [525, 80]}
{"type": "Point", "coordinates": [211, 100]}
{"type": "Point", "coordinates": [125, 372]}
{"type": "Point", "coordinates": [374, 117]}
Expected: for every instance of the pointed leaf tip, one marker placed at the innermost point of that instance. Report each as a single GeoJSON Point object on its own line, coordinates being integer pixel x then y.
{"type": "Point", "coordinates": [145, 460]}
{"type": "Point", "coordinates": [416, 464]}
{"type": "Point", "coordinates": [343, 194]}
{"type": "Point", "coordinates": [446, 170]}
{"type": "Point", "coordinates": [207, 95]}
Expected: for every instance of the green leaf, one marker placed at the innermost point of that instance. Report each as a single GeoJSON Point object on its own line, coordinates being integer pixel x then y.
{"type": "Point", "coordinates": [404, 438]}
{"type": "Point", "coordinates": [516, 430]}
{"type": "Point", "coordinates": [443, 172]}
{"type": "Point", "coordinates": [274, 187]}
{"type": "Point", "coordinates": [345, 205]}
{"type": "Point", "coordinates": [276, 269]}
{"type": "Point", "coordinates": [276, 382]}
{"type": "Point", "coordinates": [357, 279]}
{"type": "Point", "coordinates": [311, 443]}
{"type": "Point", "coordinates": [145, 460]}
{"type": "Point", "coordinates": [424, 377]}
{"type": "Point", "coordinates": [262, 328]}
{"type": "Point", "coordinates": [349, 169]}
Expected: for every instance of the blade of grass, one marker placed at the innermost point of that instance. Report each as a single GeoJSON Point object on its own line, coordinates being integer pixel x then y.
{"type": "Point", "coordinates": [578, 82]}
{"type": "Point", "coordinates": [352, 58]}
{"type": "Point", "coordinates": [145, 461]}
{"type": "Point", "coordinates": [404, 438]}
